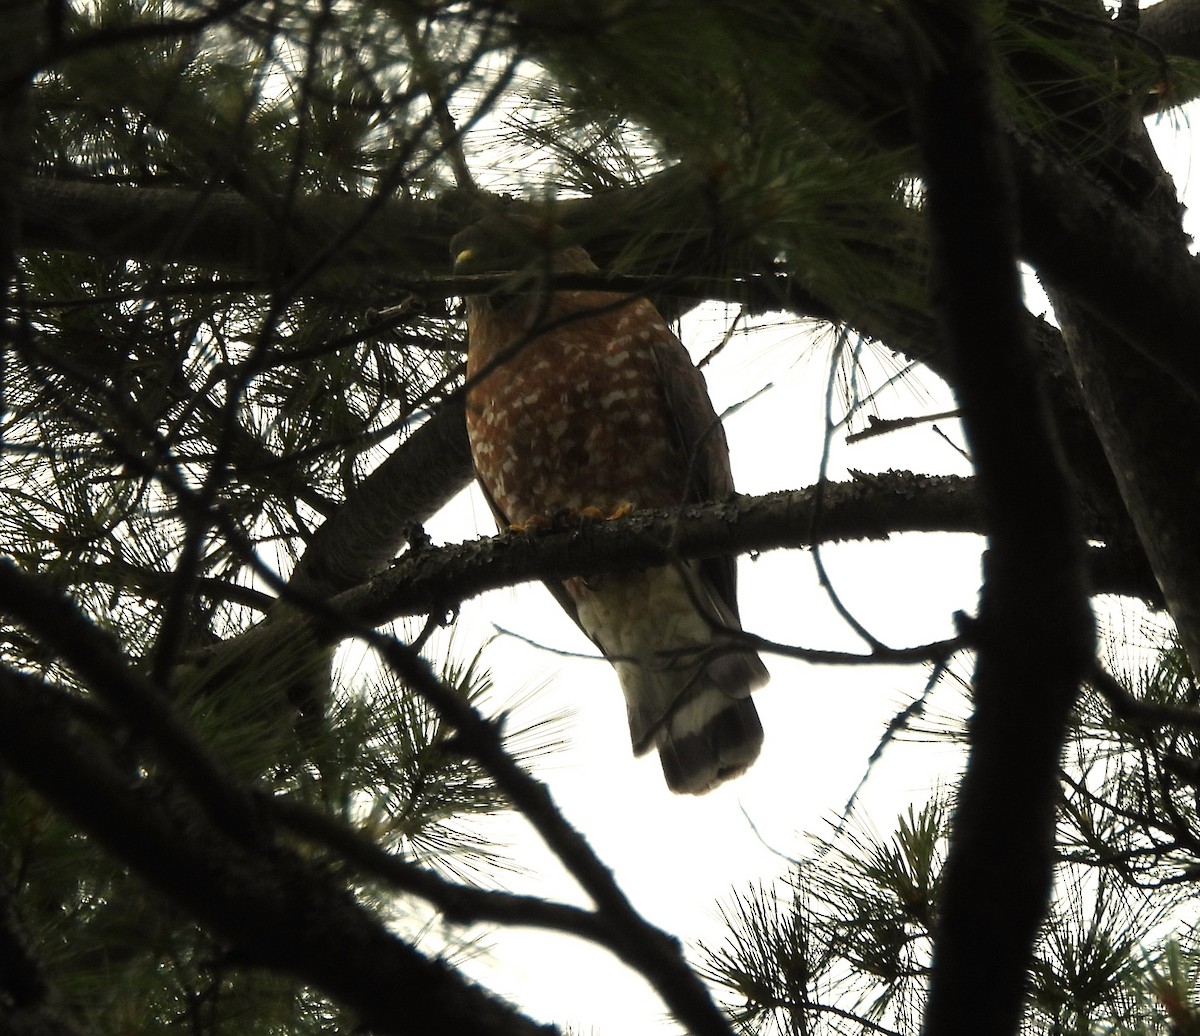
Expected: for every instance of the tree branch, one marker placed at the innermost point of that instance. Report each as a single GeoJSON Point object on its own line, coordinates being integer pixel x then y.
{"type": "Point", "coordinates": [869, 507]}
{"type": "Point", "coordinates": [1174, 25]}
{"type": "Point", "coordinates": [373, 523]}
{"type": "Point", "coordinates": [142, 706]}
{"type": "Point", "coordinates": [29, 1004]}
{"type": "Point", "coordinates": [277, 911]}
{"type": "Point", "coordinates": [459, 904]}
{"type": "Point", "coordinates": [408, 239]}
{"type": "Point", "coordinates": [648, 950]}
{"type": "Point", "coordinates": [435, 580]}
{"type": "Point", "coordinates": [1034, 633]}
{"type": "Point", "coordinates": [1133, 272]}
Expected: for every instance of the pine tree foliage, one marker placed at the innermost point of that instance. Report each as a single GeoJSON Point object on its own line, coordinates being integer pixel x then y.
{"type": "Point", "coordinates": [845, 945]}
{"type": "Point", "coordinates": [230, 397]}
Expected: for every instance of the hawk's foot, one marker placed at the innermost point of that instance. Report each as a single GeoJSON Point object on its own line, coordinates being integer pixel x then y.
{"type": "Point", "coordinates": [596, 514]}
{"type": "Point", "coordinates": [531, 526]}
{"type": "Point", "coordinates": [568, 518]}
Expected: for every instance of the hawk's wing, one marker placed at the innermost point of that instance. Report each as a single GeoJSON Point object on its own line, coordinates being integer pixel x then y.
{"type": "Point", "coordinates": [702, 437]}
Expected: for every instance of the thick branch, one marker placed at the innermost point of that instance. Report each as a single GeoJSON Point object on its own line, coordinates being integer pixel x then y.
{"type": "Point", "coordinates": [873, 507]}
{"type": "Point", "coordinates": [223, 231]}
{"type": "Point", "coordinates": [1034, 634]}
{"type": "Point", "coordinates": [435, 580]}
{"type": "Point", "coordinates": [372, 525]}
{"type": "Point", "coordinates": [1072, 228]}
{"type": "Point", "coordinates": [870, 507]}
{"type": "Point", "coordinates": [228, 232]}
{"type": "Point", "coordinates": [1174, 25]}
{"type": "Point", "coordinates": [1138, 411]}
{"type": "Point", "coordinates": [1131, 271]}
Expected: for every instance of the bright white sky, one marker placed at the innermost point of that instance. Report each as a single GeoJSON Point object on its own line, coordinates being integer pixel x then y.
{"type": "Point", "coordinates": [677, 857]}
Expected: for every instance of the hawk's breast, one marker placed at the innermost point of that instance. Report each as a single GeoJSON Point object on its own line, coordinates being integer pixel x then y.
{"type": "Point", "coordinates": [576, 415]}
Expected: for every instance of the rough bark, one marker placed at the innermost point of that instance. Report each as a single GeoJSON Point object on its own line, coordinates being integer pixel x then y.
{"type": "Point", "coordinates": [1147, 422]}
{"type": "Point", "coordinates": [431, 581]}
{"type": "Point", "coordinates": [374, 522]}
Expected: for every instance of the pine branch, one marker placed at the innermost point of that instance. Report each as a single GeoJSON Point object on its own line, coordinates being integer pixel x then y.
{"type": "Point", "coordinates": [29, 1004]}
{"type": "Point", "coordinates": [278, 912]}
{"type": "Point", "coordinates": [228, 232]}
{"type": "Point", "coordinates": [870, 507]}
{"type": "Point", "coordinates": [435, 580]}
{"type": "Point", "coordinates": [1035, 631]}
{"type": "Point", "coordinates": [156, 585]}
{"type": "Point", "coordinates": [99, 662]}
{"type": "Point", "coordinates": [458, 904]}
{"type": "Point", "coordinates": [374, 522]}
{"type": "Point", "coordinates": [650, 951]}
{"type": "Point", "coordinates": [61, 48]}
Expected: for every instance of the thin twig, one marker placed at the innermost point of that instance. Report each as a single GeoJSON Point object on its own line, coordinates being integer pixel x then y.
{"type": "Point", "coordinates": [458, 903]}
{"type": "Point", "coordinates": [429, 81]}
{"type": "Point", "coordinates": [881, 426]}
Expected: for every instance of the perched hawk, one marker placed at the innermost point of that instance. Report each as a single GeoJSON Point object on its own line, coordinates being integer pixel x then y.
{"type": "Point", "coordinates": [585, 399]}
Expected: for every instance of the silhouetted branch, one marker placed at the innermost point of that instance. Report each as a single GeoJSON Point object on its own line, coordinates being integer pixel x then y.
{"type": "Point", "coordinates": [98, 660]}
{"type": "Point", "coordinates": [374, 522]}
{"type": "Point", "coordinates": [1034, 635]}
{"type": "Point", "coordinates": [1149, 714]}
{"type": "Point", "coordinates": [653, 953]}
{"type": "Point", "coordinates": [276, 910]}
{"type": "Point", "coordinates": [434, 580]}
{"type": "Point", "coordinates": [459, 904]}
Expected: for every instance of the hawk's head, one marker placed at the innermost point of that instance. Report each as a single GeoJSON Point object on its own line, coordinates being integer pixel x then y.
{"type": "Point", "coordinates": [532, 250]}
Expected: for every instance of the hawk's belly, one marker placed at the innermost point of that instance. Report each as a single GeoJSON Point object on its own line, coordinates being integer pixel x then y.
{"type": "Point", "coordinates": [577, 418]}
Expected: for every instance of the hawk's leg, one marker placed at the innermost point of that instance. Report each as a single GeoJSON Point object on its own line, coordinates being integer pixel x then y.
{"type": "Point", "coordinates": [568, 518]}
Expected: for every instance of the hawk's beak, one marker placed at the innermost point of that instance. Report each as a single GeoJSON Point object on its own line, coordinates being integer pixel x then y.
{"type": "Point", "coordinates": [465, 256]}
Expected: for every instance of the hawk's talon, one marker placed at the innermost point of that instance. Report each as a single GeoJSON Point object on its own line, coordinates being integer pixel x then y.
{"type": "Point", "coordinates": [568, 518]}
{"type": "Point", "coordinates": [591, 513]}
{"type": "Point", "coordinates": [531, 526]}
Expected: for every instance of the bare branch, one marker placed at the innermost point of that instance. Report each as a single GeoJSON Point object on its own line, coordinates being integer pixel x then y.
{"type": "Point", "coordinates": [460, 904]}
{"type": "Point", "coordinates": [650, 951]}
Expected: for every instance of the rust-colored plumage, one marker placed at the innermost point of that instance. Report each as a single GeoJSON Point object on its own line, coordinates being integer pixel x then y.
{"type": "Point", "coordinates": [585, 399]}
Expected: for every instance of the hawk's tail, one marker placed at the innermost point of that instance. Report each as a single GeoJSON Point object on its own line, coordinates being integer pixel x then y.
{"type": "Point", "coordinates": [698, 715]}
{"type": "Point", "coordinates": [687, 681]}
{"type": "Point", "coordinates": [710, 739]}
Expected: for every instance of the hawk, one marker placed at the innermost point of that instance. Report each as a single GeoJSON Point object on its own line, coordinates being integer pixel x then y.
{"type": "Point", "coordinates": [584, 401]}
